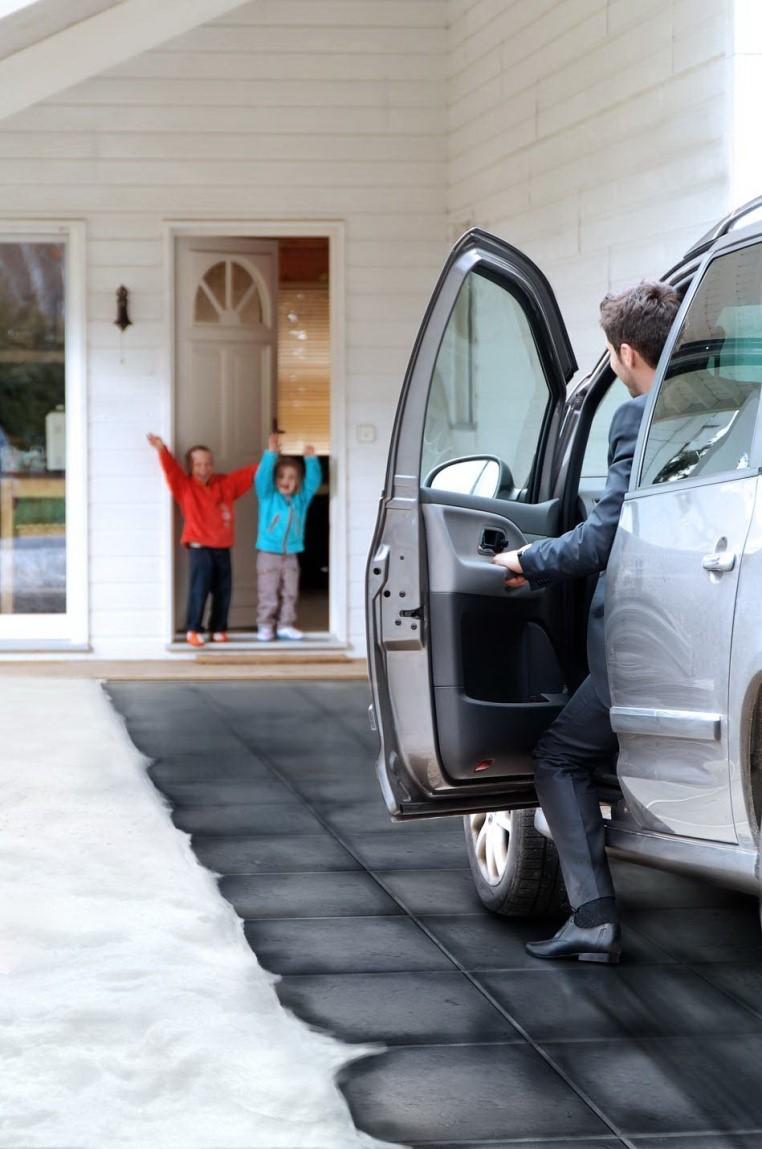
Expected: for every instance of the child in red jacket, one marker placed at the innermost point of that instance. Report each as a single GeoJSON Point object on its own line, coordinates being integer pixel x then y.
{"type": "Point", "coordinates": [206, 502]}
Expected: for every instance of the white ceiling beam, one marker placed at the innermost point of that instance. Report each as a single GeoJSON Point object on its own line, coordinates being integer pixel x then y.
{"type": "Point", "coordinates": [97, 43]}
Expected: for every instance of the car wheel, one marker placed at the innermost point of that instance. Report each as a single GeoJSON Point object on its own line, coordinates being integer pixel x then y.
{"type": "Point", "coordinates": [514, 867]}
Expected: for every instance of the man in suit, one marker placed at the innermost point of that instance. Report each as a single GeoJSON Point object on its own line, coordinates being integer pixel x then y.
{"type": "Point", "coordinates": [636, 324]}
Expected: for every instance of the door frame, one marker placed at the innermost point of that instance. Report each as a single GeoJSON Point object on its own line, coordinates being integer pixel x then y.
{"type": "Point", "coordinates": [68, 631]}
{"type": "Point", "coordinates": [226, 228]}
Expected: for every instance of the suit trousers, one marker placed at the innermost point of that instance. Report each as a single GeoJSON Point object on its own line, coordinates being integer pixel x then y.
{"type": "Point", "coordinates": [579, 742]}
{"type": "Point", "coordinates": [277, 589]}
{"type": "Point", "coordinates": [210, 573]}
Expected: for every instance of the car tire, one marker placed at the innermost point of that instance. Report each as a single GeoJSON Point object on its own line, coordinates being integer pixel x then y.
{"type": "Point", "coordinates": [514, 867]}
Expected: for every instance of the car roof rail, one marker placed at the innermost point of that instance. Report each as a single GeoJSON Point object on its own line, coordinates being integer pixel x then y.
{"type": "Point", "coordinates": [723, 227]}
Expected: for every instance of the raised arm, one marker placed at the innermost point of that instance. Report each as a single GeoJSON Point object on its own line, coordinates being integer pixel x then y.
{"type": "Point", "coordinates": [176, 477]}
{"type": "Point", "coordinates": [313, 475]}
{"type": "Point", "coordinates": [238, 482]}
{"type": "Point", "coordinates": [265, 478]}
{"type": "Point", "coordinates": [585, 550]}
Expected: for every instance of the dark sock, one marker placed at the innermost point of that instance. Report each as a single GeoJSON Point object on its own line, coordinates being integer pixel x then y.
{"type": "Point", "coordinates": [596, 913]}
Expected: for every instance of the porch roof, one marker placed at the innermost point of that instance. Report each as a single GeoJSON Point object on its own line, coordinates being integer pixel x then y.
{"type": "Point", "coordinates": [47, 46]}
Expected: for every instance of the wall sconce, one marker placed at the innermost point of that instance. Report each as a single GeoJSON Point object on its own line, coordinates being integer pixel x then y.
{"type": "Point", "coordinates": [122, 320]}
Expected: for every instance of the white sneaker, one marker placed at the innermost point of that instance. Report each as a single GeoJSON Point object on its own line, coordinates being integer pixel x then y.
{"type": "Point", "coordinates": [265, 634]}
{"type": "Point", "coordinates": [290, 632]}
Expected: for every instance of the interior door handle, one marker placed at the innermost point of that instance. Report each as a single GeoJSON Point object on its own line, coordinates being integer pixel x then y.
{"type": "Point", "coordinates": [492, 542]}
{"type": "Point", "coordinates": [719, 561]}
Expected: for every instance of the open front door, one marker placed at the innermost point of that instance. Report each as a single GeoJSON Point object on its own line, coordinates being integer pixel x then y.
{"type": "Point", "coordinates": [465, 673]}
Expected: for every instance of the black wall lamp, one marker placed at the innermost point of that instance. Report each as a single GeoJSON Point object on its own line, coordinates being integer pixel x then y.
{"type": "Point", "coordinates": [122, 320]}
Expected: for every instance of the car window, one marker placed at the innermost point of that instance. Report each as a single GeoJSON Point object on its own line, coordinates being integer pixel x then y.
{"type": "Point", "coordinates": [488, 392]}
{"type": "Point", "coordinates": [705, 413]}
{"type": "Point", "coordinates": [596, 461]}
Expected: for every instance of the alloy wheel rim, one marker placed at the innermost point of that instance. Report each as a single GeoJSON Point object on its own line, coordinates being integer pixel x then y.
{"type": "Point", "coordinates": [490, 835]}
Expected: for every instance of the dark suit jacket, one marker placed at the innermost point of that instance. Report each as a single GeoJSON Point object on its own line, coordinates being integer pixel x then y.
{"type": "Point", "coordinates": [586, 549]}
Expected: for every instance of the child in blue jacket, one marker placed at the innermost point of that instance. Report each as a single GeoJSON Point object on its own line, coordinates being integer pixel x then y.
{"type": "Point", "coordinates": [284, 496]}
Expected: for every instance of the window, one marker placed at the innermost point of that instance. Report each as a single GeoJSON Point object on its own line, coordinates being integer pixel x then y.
{"type": "Point", "coordinates": [32, 429]}
{"type": "Point", "coordinates": [705, 413]}
{"type": "Point", "coordinates": [228, 295]}
{"type": "Point", "coordinates": [488, 393]}
{"type": "Point", "coordinates": [596, 461]}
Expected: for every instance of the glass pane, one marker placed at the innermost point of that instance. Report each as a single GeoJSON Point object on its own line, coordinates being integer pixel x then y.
{"type": "Point", "coordinates": [242, 281]}
{"type": "Point", "coordinates": [596, 461]}
{"type": "Point", "coordinates": [488, 392]}
{"type": "Point", "coordinates": [705, 413]}
{"type": "Point", "coordinates": [204, 310]}
{"type": "Point", "coordinates": [32, 429]}
{"type": "Point", "coordinates": [215, 281]}
{"type": "Point", "coordinates": [251, 312]}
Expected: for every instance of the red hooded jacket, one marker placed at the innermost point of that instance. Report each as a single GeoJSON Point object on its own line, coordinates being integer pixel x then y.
{"type": "Point", "coordinates": [207, 509]}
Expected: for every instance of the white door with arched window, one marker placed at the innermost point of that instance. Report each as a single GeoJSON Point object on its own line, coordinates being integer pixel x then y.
{"type": "Point", "coordinates": [226, 333]}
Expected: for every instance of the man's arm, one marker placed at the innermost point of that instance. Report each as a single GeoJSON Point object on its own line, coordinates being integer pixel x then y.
{"type": "Point", "coordinates": [585, 550]}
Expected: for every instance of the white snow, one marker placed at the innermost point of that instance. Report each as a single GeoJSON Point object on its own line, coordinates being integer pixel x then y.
{"type": "Point", "coordinates": [132, 1011]}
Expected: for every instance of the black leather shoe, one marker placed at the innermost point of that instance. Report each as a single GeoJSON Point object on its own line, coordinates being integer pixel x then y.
{"type": "Point", "coordinates": [594, 943]}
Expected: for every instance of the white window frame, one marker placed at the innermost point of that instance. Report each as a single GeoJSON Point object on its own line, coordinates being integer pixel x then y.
{"type": "Point", "coordinates": [69, 630]}
{"type": "Point", "coordinates": [333, 231]}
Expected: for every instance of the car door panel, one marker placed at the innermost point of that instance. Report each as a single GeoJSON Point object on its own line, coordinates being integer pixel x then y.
{"type": "Point", "coordinates": [672, 605]}
{"type": "Point", "coordinates": [464, 672]}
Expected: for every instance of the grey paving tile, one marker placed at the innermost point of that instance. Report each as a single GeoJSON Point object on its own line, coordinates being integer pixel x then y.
{"type": "Point", "coordinates": [343, 945]}
{"type": "Point", "coordinates": [303, 755]}
{"type": "Point", "coordinates": [489, 942]}
{"type": "Point", "coordinates": [642, 887]}
{"type": "Point", "coordinates": [381, 850]}
{"type": "Point", "coordinates": [706, 934]}
{"type": "Point", "coordinates": [582, 1002]}
{"type": "Point", "coordinates": [742, 981]}
{"type": "Point", "coordinates": [424, 892]}
{"type": "Point", "coordinates": [276, 818]}
{"type": "Point", "coordinates": [167, 738]}
{"type": "Point", "coordinates": [307, 896]}
{"type": "Point", "coordinates": [749, 1140]}
{"type": "Point", "coordinates": [227, 791]}
{"type": "Point", "coordinates": [396, 1008]}
{"type": "Point", "coordinates": [239, 764]}
{"type": "Point", "coordinates": [279, 854]}
{"type": "Point", "coordinates": [467, 1093]}
{"type": "Point", "coordinates": [670, 1085]}
{"type": "Point", "coordinates": [373, 817]}
{"type": "Point", "coordinates": [354, 784]}
{"type": "Point", "coordinates": [586, 1142]}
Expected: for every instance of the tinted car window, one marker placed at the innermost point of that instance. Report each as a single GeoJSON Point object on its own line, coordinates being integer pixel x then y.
{"type": "Point", "coordinates": [488, 393]}
{"type": "Point", "coordinates": [705, 412]}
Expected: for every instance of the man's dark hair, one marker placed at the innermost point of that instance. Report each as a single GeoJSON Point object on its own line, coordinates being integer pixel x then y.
{"type": "Point", "coordinates": [642, 317]}
{"type": "Point", "coordinates": [189, 456]}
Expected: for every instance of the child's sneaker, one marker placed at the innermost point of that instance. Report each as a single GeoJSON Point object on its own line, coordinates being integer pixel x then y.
{"type": "Point", "coordinates": [265, 634]}
{"type": "Point", "coordinates": [290, 632]}
{"type": "Point", "coordinates": [193, 638]}
{"type": "Point", "coordinates": [220, 636]}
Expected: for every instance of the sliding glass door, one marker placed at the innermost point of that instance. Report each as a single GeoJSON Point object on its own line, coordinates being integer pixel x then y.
{"type": "Point", "coordinates": [42, 515]}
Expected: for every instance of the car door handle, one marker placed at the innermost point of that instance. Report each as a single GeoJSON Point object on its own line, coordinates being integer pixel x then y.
{"type": "Point", "coordinates": [719, 561]}
{"type": "Point", "coordinates": [492, 542]}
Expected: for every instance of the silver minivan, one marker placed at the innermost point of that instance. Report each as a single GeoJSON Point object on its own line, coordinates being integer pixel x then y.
{"type": "Point", "coordinates": [493, 446]}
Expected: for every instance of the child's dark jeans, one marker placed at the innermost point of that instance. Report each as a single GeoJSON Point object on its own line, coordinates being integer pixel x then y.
{"type": "Point", "coordinates": [210, 573]}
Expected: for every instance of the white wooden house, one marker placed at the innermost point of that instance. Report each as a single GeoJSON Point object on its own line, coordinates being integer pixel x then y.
{"type": "Point", "coordinates": [191, 150]}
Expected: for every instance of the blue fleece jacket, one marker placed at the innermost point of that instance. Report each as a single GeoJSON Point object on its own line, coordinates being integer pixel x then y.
{"type": "Point", "coordinates": [281, 518]}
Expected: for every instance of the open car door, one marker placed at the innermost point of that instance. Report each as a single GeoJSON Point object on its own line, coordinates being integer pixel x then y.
{"type": "Point", "coordinates": [465, 673]}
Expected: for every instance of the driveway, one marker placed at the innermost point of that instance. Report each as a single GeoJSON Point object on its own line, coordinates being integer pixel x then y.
{"type": "Point", "coordinates": [378, 937]}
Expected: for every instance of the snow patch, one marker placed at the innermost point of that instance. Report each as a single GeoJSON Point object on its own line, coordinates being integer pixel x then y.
{"type": "Point", "coordinates": [132, 1010]}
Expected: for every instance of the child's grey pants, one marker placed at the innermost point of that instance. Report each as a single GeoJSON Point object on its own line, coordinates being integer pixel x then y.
{"type": "Point", "coordinates": [277, 589]}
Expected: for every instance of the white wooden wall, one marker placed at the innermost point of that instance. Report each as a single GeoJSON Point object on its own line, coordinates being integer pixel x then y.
{"type": "Point", "coordinates": [296, 109]}
{"type": "Point", "coordinates": [591, 133]}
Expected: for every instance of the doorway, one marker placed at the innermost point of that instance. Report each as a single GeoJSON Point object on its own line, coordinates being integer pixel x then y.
{"type": "Point", "coordinates": [252, 355]}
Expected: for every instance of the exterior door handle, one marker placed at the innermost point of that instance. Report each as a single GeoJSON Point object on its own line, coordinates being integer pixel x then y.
{"type": "Point", "coordinates": [719, 561]}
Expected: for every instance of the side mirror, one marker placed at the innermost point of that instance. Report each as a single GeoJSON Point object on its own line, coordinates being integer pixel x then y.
{"type": "Point", "coordinates": [481, 475]}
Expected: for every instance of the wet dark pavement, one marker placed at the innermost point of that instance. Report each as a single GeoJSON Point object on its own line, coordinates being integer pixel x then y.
{"type": "Point", "coordinates": [379, 937]}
